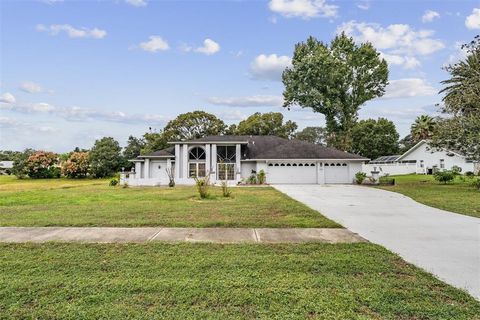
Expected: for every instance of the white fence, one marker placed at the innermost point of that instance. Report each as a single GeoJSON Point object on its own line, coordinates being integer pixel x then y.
{"type": "Point", "coordinates": [390, 168]}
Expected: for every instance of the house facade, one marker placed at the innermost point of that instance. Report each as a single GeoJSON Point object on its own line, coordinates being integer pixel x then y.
{"type": "Point", "coordinates": [421, 159]}
{"type": "Point", "coordinates": [235, 158]}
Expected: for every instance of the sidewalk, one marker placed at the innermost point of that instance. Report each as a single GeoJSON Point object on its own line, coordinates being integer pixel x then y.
{"type": "Point", "coordinates": [142, 235]}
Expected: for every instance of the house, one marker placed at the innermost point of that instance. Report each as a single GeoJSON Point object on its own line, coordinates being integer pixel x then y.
{"type": "Point", "coordinates": [235, 158]}
{"type": "Point", "coordinates": [6, 167]}
{"type": "Point", "coordinates": [420, 159]}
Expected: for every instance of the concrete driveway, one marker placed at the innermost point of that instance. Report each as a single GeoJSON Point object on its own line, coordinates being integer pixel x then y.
{"type": "Point", "coordinates": [443, 243]}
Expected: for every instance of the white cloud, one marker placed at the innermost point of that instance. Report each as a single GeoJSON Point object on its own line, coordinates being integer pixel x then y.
{"type": "Point", "coordinates": [398, 38]}
{"type": "Point", "coordinates": [305, 9]}
{"type": "Point", "coordinates": [364, 5]}
{"type": "Point", "coordinates": [232, 115]}
{"type": "Point", "coordinates": [404, 61]}
{"type": "Point", "coordinates": [72, 32]}
{"type": "Point", "coordinates": [8, 98]}
{"type": "Point", "coordinates": [136, 3]}
{"type": "Point", "coordinates": [473, 20]}
{"type": "Point", "coordinates": [430, 15]}
{"type": "Point", "coordinates": [209, 47]}
{"type": "Point", "coordinates": [31, 87]}
{"type": "Point", "coordinates": [156, 43]}
{"type": "Point", "coordinates": [408, 87]}
{"type": "Point", "coordinates": [51, 2]}
{"type": "Point", "coordinates": [269, 67]}
{"type": "Point", "coordinates": [247, 101]}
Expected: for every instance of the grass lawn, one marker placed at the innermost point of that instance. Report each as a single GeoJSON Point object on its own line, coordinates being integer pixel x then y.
{"type": "Point", "coordinates": [62, 202]}
{"type": "Point", "coordinates": [457, 197]}
{"type": "Point", "coordinates": [185, 281]}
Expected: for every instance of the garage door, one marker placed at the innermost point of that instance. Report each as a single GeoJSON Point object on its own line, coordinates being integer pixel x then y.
{"type": "Point", "coordinates": [336, 173]}
{"type": "Point", "coordinates": [291, 172]}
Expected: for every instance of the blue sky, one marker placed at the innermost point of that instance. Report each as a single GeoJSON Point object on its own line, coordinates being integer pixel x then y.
{"type": "Point", "coordinates": [74, 71]}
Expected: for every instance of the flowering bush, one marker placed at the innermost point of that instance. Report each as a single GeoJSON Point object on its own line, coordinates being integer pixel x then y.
{"type": "Point", "coordinates": [77, 165]}
{"type": "Point", "coordinates": [42, 164]}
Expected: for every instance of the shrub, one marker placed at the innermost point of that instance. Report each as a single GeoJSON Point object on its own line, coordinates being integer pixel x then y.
{"type": "Point", "coordinates": [261, 177]}
{"type": "Point", "coordinates": [387, 181]}
{"type": "Point", "coordinates": [360, 176]}
{"type": "Point", "coordinates": [469, 174]}
{"type": "Point", "coordinates": [252, 179]}
{"type": "Point", "coordinates": [456, 170]}
{"type": "Point", "coordinates": [19, 163]}
{"type": "Point", "coordinates": [42, 165]}
{"type": "Point", "coordinates": [203, 185]}
{"type": "Point", "coordinates": [444, 176]}
{"type": "Point", "coordinates": [77, 165]}
{"type": "Point", "coordinates": [113, 182]}
{"type": "Point", "coordinates": [226, 192]}
{"type": "Point", "coordinates": [476, 183]}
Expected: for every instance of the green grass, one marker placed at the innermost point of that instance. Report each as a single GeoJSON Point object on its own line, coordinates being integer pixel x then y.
{"type": "Point", "coordinates": [459, 197]}
{"type": "Point", "coordinates": [62, 202]}
{"type": "Point", "coordinates": [186, 281]}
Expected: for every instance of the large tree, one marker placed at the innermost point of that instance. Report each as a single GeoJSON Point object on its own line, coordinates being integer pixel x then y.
{"type": "Point", "coordinates": [133, 148]}
{"type": "Point", "coordinates": [460, 131]}
{"type": "Point", "coordinates": [335, 80]}
{"type": "Point", "coordinates": [105, 157]}
{"type": "Point", "coordinates": [269, 124]}
{"type": "Point", "coordinates": [193, 125]}
{"type": "Point", "coordinates": [374, 138]}
{"type": "Point", "coordinates": [422, 128]}
{"type": "Point", "coordinates": [312, 134]}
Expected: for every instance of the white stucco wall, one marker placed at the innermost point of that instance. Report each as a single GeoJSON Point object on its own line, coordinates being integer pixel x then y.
{"type": "Point", "coordinates": [246, 168]}
{"type": "Point", "coordinates": [390, 168]}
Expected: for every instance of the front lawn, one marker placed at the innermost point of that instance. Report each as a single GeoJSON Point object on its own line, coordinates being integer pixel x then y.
{"type": "Point", "coordinates": [457, 197]}
{"type": "Point", "coordinates": [186, 281]}
{"type": "Point", "coordinates": [62, 202]}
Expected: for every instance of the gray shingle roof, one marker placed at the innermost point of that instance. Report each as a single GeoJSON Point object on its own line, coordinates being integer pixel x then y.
{"type": "Point", "coordinates": [167, 152]}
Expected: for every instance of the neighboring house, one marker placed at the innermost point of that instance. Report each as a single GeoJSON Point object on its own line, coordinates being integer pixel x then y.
{"type": "Point", "coordinates": [235, 158]}
{"type": "Point", "coordinates": [5, 166]}
{"type": "Point", "coordinates": [420, 159]}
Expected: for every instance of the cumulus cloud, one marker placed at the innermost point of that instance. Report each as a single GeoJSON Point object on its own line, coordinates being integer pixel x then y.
{"type": "Point", "coordinates": [31, 87]}
{"type": "Point", "coordinates": [136, 3]}
{"type": "Point", "coordinates": [269, 67]}
{"type": "Point", "coordinates": [248, 101]}
{"type": "Point", "coordinates": [24, 127]}
{"type": "Point", "coordinates": [364, 5]}
{"type": "Point", "coordinates": [404, 61]}
{"type": "Point", "coordinates": [72, 32]}
{"type": "Point", "coordinates": [397, 38]}
{"type": "Point", "coordinates": [473, 21]}
{"type": "Point", "coordinates": [430, 15]}
{"type": "Point", "coordinates": [155, 44]}
{"type": "Point", "coordinates": [407, 88]}
{"type": "Point", "coordinates": [8, 98]}
{"type": "Point", "coordinates": [305, 9]}
{"type": "Point", "coordinates": [232, 115]}
{"type": "Point", "coordinates": [209, 47]}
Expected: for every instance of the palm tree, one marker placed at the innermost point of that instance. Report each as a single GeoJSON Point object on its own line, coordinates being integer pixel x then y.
{"type": "Point", "coordinates": [422, 128]}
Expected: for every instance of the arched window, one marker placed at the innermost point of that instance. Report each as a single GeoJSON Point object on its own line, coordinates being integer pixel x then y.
{"type": "Point", "coordinates": [300, 164]}
{"type": "Point", "coordinates": [282, 165]}
{"type": "Point", "coordinates": [196, 162]}
{"type": "Point", "coordinates": [332, 164]}
{"type": "Point", "coordinates": [270, 164]}
{"type": "Point", "coordinates": [339, 165]}
{"type": "Point", "coordinates": [289, 165]}
{"type": "Point", "coordinates": [294, 165]}
{"type": "Point", "coordinates": [326, 165]}
{"type": "Point", "coordinates": [344, 164]}
{"type": "Point", "coordinates": [312, 164]}
{"type": "Point", "coordinates": [276, 164]}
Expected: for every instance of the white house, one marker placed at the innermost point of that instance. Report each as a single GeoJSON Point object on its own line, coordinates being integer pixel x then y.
{"type": "Point", "coordinates": [235, 158]}
{"type": "Point", "coordinates": [5, 165]}
{"type": "Point", "coordinates": [420, 159]}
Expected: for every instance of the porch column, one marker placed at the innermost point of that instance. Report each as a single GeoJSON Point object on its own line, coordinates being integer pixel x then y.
{"type": "Point", "coordinates": [146, 169]}
{"type": "Point", "coordinates": [177, 162]}
{"type": "Point", "coordinates": [185, 161]}
{"type": "Point", "coordinates": [208, 163]}
{"type": "Point", "coordinates": [213, 174]}
{"type": "Point", "coordinates": [238, 155]}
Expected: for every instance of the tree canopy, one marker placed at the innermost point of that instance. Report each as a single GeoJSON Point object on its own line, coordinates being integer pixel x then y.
{"type": "Point", "coordinates": [312, 134]}
{"type": "Point", "coordinates": [193, 125]}
{"type": "Point", "coordinates": [270, 124]}
{"type": "Point", "coordinates": [335, 80]}
{"type": "Point", "coordinates": [374, 138]}
{"type": "Point", "coordinates": [422, 128]}
{"type": "Point", "coordinates": [105, 158]}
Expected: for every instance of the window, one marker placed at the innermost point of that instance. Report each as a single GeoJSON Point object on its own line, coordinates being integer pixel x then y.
{"type": "Point", "coordinates": [226, 171]}
{"type": "Point", "coordinates": [196, 163]}
{"type": "Point", "coordinates": [270, 164]}
{"type": "Point", "coordinates": [226, 154]}
{"type": "Point", "coordinates": [421, 163]}
{"type": "Point", "coordinates": [442, 163]}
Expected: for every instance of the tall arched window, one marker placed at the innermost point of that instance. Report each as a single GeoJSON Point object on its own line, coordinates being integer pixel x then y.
{"type": "Point", "coordinates": [196, 162]}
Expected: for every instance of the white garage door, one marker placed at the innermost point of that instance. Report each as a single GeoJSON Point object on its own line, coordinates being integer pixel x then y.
{"type": "Point", "coordinates": [291, 172]}
{"type": "Point", "coordinates": [336, 172]}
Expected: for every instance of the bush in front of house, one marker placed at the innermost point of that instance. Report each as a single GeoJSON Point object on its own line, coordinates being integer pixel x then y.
{"type": "Point", "coordinates": [386, 181]}
{"type": "Point", "coordinates": [444, 176]}
{"type": "Point", "coordinates": [360, 176]}
{"type": "Point", "coordinates": [261, 177]}
{"type": "Point", "coordinates": [226, 192]}
{"type": "Point", "coordinates": [42, 165]}
{"type": "Point", "coordinates": [113, 182]}
{"type": "Point", "coordinates": [76, 165]}
{"type": "Point", "coordinates": [203, 186]}
{"type": "Point", "coordinates": [476, 183]}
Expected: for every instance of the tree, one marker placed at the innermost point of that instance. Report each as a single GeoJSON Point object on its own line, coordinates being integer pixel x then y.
{"type": "Point", "coordinates": [423, 128]}
{"type": "Point", "coordinates": [105, 158]}
{"type": "Point", "coordinates": [77, 165]}
{"type": "Point", "coordinates": [7, 155]}
{"type": "Point", "coordinates": [461, 130]}
{"type": "Point", "coordinates": [269, 124]}
{"type": "Point", "coordinates": [406, 143]}
{"type": "Point", "coordinates": [154, 141]}
{"type": "Point", "coordinates": [312, 134]}
{"type": "Point", "coordinates": [19, 163]}
{"type": "Point", "coordinates": [42, 165]}
{"type": "Point", "coordinates": [132, 150]}
{"type": "Point", "coordinates": [374, 138]}
{"type": "Point", "coordinates": [335, 80]}
{"type": "Point", "coordinates": [193, 125]}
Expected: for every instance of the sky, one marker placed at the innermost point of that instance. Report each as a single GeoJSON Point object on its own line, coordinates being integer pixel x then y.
{"type": "Point", "coordinates": [72, 72]}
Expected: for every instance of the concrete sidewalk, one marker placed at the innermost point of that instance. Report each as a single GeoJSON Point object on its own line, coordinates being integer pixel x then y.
{"type": "Point", "coordinates": [142, 235]}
